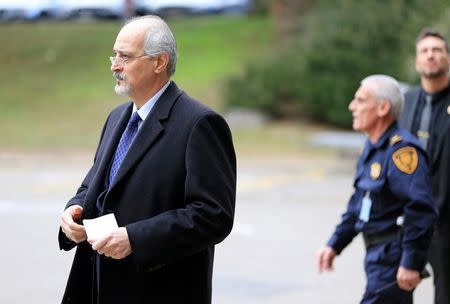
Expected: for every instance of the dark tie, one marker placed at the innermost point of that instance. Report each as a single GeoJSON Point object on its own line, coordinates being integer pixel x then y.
{"type": "Point", "coordinates": [423, 133]}
{"type": "Point", "coordinates": [124, 145]}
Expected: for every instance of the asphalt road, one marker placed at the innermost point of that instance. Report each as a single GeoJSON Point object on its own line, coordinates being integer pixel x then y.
{"type": "Point", "coordinates": [285, 211]}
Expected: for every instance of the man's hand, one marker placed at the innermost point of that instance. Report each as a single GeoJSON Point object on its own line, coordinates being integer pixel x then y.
{"type": "Point", "coordinates": [71, 229]}
{"type": "Point", "coordinates": [115, 245]}
{"type": "Point", "coordinates": [407, 279]}
{"type": "Point", "coordinates": [325, 258]}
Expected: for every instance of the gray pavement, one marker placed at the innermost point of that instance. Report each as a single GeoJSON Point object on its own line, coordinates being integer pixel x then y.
{"type": "Point", "coordinates": [286, 209]}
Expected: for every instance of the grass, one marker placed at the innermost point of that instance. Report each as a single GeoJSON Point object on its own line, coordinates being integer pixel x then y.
{"type": "Point", "coordinates": [56, 86]}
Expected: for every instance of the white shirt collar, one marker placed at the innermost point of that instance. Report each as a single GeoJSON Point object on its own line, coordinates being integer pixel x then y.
{"type": "Point", "coordinates": [148, 106]}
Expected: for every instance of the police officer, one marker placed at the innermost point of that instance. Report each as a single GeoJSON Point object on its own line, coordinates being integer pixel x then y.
{"type": "Point", "coordinates": [392, 204]}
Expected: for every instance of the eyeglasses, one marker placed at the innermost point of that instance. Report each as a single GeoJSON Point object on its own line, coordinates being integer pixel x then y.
{"type": "Point", "coordinates": [121, 61]}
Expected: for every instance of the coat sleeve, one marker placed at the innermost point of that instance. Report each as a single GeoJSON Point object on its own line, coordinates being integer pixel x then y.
{"type": "Point", "coordinates": [345, 230]}
{"type": "Point", "coordinates": [78, 199]}
{"type": "Point", "coordinates": [208, 210]}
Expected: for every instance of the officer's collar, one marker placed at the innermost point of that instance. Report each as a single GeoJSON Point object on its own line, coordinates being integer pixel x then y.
{"type": "Point", "coordinates": [385, 137]}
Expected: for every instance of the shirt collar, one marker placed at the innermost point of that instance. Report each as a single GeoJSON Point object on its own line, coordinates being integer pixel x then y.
{"type": "Point", "coordinates": [436, 97]}
{"type": "Point", "coordinates": [148, 106]}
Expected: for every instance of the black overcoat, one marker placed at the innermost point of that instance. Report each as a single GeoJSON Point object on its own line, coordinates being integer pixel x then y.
{"type": "Point", "coordinates": [174, 193]}
{"type": "Point", "coordinates": [439, 164]}
{"type": "Point", "coordinates": [439, 160]}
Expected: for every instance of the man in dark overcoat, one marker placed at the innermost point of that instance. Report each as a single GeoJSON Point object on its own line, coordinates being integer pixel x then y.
{"type": "Point", "coordinates": [427, 115]}
{"type": "Point", "coordinates": [165, 167]}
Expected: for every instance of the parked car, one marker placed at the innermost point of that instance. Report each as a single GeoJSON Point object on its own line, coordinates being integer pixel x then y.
{"type": "Point", "coordinates": [94, 8]}
{"type": "Point", "coordinates": [190, 7]}
{"type": "Point", "coordinates": [31, 10]}
{"type": "Point", "coordinates": [44, 9]}
{"type": "Point", "coordinates": [11, 10]}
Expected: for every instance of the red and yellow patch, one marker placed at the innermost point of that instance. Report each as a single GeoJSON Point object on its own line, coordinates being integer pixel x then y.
{"type": "Point", "coordinates": [406, 159]}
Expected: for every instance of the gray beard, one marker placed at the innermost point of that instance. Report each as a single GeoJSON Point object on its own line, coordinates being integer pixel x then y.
{"type": "Point", "coordinates": [122, 90]}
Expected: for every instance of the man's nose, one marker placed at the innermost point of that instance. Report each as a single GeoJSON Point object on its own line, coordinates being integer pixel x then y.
{"type": "Point", "coordinates": [350, 105]}
{"type": "Point", "coordinates": [430, 53]}
{"type": "Point", "coordinates": [116, 67]}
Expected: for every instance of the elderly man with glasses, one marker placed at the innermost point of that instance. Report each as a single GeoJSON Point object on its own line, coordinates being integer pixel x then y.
{"type": "Point", "coordinates": [165, 169]}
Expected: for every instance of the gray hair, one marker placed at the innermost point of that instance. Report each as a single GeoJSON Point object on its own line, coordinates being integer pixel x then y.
{"type": "Point", "coordinates": [159, 39]}
{"type": "Point", "coordinates": [386, 88]}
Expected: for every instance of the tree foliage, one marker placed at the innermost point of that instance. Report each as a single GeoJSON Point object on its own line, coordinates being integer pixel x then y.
{"type": "Point", "coordinates": [317, 73]}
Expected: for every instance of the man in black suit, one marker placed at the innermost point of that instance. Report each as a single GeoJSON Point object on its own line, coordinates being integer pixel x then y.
{"type": "Point", "coordinates": [165, 167]}
{"type": "Point", "coordinates": [427, 114]}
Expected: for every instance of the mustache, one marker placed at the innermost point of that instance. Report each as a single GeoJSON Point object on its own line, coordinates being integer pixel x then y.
{"type": "Point", "coordinates": [120, 76]}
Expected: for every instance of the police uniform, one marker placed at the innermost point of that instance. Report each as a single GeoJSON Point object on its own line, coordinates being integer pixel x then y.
{"type": "Point", "coordinates": [391, 183]}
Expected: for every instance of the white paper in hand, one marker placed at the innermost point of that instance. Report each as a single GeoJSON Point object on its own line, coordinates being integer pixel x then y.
{"type": "Point", "coordinates": [100, 226]}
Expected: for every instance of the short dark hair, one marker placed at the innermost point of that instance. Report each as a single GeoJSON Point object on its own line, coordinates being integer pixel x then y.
{"type": "Point", "coordinates": [427, 32]}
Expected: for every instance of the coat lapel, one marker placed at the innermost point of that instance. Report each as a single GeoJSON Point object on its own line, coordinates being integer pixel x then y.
{"type": "Point", "coordinates": [113, 140]}
{"type": "Point", "coordinates": [412, 109]}
{"type": "Point", "coordinates": [104, 157]}
{"type": "Point", "coordinates": [150, 130]}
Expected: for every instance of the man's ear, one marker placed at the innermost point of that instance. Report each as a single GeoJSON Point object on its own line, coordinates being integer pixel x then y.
{"type": "Point", "coordinates": [161, 63]}
{"type": "Point", "coordinates": [384, 108]}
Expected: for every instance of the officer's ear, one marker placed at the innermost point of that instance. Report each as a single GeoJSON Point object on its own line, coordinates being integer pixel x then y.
{"type": "Point", "coordinates": [384, 108]}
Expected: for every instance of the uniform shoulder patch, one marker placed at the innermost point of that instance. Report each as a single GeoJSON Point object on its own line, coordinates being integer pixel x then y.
{"type": "Point", "coordinates": [406, 159]}
{"type": "Point", "coordinates": [395, 139]}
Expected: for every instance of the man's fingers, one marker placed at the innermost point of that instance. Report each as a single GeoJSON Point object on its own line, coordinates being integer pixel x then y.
{"type": "Point", "coordinates": [76, 227]}
{"type": "Point", "coordinates": [406, 286]}
{"type": "Point", "coordinates": [327, 264]}
{"type": "Point", "coordinates": [323, 263]}
{"type": "Point", "coordinates": [116, 245]}
{"type": "Point", "coordinates": [407, 279]}
{"type": "Point", "coordinates": [69, 227]}
{"type": "Point", "coordinates": [73, 231]}
{"type": "Point", "coordinates": [66, 219]}
{"type": "Point", "coordinates": [100, 244]}
{"type": "Point", "coordinates": [320, 260]}
{"type": "Point", "coordinates": [77, 212]}
{"type": "Point", "coordinates": [72, 226]}
{"type": "Point", "coordinates": [325, 259]}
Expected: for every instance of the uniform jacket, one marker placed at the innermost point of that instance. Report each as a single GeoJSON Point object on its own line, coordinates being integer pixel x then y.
{"type": "Point", "coordinates": [174, 193]}
{"type": "Point", "coordinates": [383, 175]}
{"type": "Point", "coordinates": [440, 154]}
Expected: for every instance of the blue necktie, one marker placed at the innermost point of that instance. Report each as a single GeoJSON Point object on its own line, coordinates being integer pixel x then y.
{"type": "Point", "coordinates": [124, 145]}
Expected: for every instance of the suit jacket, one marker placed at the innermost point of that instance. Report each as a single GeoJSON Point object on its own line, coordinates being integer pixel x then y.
{"type": "Point", "coordinates": [439, 158]}
{"type": "Point", "coordinates": [174, 193]}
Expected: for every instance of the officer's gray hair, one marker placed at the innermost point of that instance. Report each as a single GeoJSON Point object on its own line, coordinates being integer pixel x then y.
{"type": "Point", "coordinates": [159, 39]}
{"type": "Point", "coordinates": [386, 88]}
